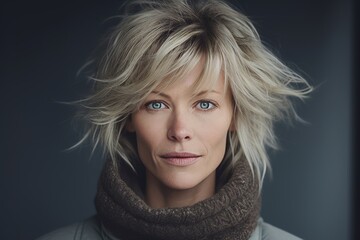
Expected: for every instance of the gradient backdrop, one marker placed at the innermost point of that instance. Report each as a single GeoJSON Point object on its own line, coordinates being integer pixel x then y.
{"type": "Point", "coordinates": [43, 45]}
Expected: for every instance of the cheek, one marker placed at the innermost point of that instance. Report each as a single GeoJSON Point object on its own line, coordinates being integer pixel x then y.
{"type": "Point", "coordinates": [148, 132]}
{"type": "Point", "coordinates": [217, 143]}
{"type": "Point", "coordinates": [215, 131]}
{"type": "Point", "coordinates": [214, 137]}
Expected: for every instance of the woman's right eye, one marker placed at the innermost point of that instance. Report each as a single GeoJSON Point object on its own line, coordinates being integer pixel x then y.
{"type": "Point", "coordinates": [155, 105]}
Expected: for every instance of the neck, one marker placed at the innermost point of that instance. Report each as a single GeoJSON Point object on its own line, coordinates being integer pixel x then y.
{"type": "Point", "coordinates": [159, 195]}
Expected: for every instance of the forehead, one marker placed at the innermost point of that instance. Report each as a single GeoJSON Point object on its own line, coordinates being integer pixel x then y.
{"type": "Point", "coordinates": [197, 77]}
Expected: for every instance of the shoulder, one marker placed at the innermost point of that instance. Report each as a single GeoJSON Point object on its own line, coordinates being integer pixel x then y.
{"type": "Point", "coordinates": [88, 229]}
{"type": "Point", "coordinates": [265, 231]}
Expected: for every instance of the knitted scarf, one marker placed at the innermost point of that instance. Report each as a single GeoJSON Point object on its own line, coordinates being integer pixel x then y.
{"type": "Point", "coordinates": [231, 213]}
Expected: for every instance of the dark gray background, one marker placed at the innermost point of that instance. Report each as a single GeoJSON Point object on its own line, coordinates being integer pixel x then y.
{"type": "Point", "coordinates": [43, 45]}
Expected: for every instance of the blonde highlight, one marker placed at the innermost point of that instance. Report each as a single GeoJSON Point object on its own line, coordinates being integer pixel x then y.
{"type": "Point", "coordinates": [157, 43]}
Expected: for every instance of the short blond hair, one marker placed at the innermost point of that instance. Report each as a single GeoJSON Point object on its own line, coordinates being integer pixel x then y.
{"type": "Point", "coordinates": [158, 41]}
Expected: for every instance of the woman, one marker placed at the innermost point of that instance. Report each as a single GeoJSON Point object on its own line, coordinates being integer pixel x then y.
{"type": "Point", "coordinates": [184, 103]}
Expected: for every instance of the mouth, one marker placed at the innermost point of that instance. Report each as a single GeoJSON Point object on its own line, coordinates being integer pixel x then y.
{"type": "Point", "coordinates": [180, 158]}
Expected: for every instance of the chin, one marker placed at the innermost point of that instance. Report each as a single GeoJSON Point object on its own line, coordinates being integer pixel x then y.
{"type": "Point", "coordinates": [182, 182]}
{"type": "Point", "coordinates": [175, 185]}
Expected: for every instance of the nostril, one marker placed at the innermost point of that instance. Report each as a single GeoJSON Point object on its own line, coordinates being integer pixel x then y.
{"type": "Point", "coordinates": [179, 137]}
{"type": "Point", "coordinates": [179, 129]}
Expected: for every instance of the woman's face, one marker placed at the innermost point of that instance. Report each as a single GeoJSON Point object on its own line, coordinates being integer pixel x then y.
{"type": "Point", "coordinates": [181, 138]}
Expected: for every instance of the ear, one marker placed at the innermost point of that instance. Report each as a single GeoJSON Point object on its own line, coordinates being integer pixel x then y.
{"type": "Point", "coordinates": [129, 125]}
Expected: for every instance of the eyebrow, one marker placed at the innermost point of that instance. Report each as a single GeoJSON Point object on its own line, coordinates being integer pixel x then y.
{"type": "Point", "coordinates": [198, 94]}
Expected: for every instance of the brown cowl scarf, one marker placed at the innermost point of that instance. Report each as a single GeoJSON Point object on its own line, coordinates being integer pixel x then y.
{"type": "Point", "coordinates": [231, 213]}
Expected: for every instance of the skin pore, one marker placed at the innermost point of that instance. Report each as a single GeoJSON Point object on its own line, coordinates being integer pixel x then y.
{"type": "Point", "coordinates": [181, 140]}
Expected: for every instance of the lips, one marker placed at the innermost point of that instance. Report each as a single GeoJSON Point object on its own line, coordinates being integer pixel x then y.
{"type": "Point", "coordinates": [180, 158]}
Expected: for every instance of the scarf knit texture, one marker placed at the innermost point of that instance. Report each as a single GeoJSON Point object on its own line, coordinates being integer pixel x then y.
{"type": "Point", "coordinates": [231, 213]}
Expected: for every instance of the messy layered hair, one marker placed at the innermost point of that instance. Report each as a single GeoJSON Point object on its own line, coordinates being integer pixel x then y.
{"type": "Point", "coordinates": [159, 42]}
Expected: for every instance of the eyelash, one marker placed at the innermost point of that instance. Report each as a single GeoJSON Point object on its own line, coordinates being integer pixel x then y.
{"type": "Point", "coordinates": [148, 104]}
{"type": "Point", "coordinates": [212, 104]}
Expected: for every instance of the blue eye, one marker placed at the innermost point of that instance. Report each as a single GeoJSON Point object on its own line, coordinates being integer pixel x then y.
{"type": "Point", "coordinates": [155, 105]}
{"type": "Point", "coordinates": [205, 105]}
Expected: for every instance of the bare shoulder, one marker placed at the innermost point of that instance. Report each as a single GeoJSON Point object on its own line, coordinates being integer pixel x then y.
{"type": "Point", "coordinates": [87, 229]}
{"type": "Point", "coordinates": [265, 231]}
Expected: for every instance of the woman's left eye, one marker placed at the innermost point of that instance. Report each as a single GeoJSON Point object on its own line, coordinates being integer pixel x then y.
{"type": "Point", "coordinates": [205, 105]}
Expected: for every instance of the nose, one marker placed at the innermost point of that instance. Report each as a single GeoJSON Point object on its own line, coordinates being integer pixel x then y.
{"type": "Point", "coordinates": [180, 128]}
